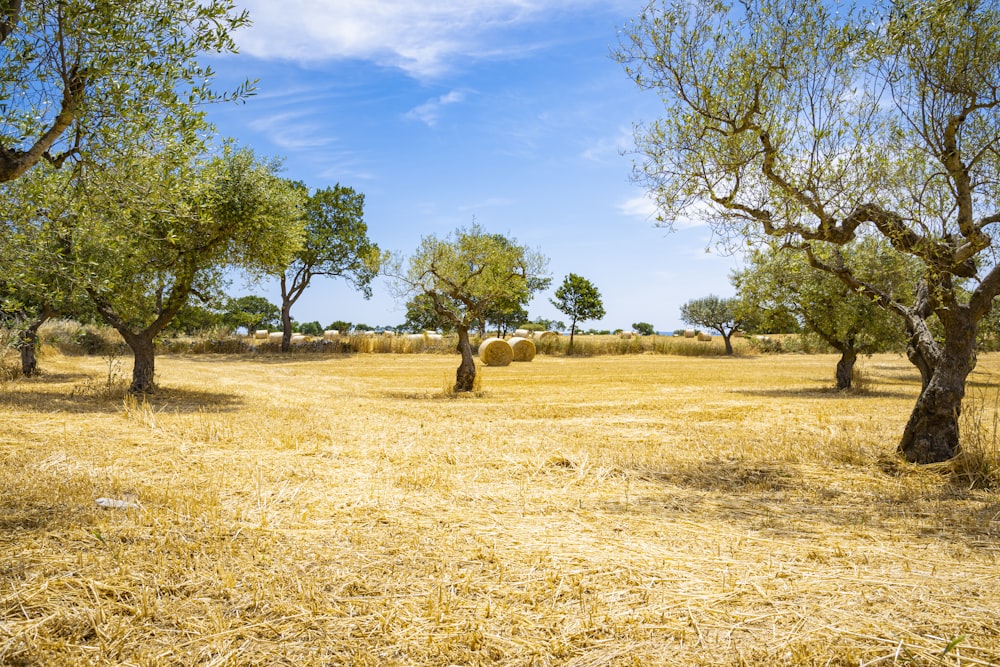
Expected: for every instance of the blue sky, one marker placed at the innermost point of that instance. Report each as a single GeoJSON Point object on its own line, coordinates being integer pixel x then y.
{"type": "Point", "coordinates": [509, 113]}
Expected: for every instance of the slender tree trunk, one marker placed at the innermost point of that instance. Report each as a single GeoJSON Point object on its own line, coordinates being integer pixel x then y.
{"type": "Point", "coordinates": [931, 434]}
{"type": "Point", "coordinates": [845, 367]}
{"type": "Point", "coordinates": [143, 366]}
{"type": "Point", "coordinates": [28, 344]}
{"type": "Point", "coordinates": [465, 378]}
{"type": "Point", "coordinates": [726, 338]}
{"type": "Point", "coordinates": [286, 326]}
{"type": "Point", "coordinates": [572, 332]}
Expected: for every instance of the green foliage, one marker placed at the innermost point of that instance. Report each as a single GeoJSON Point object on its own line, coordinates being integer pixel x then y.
{"type": "Point", "coordinates": [643, 328]}
{"type": "Point", "coordinates": [340, 325]}
{"type": "Point", "coordinates": [335, 245]}
{"type": "Point", "coordinates": [578, 299]}
{"type": "Point", "coordinates": [194, 318]}
{"type": "Point", "coordinates": [469, 274]}
{"type": "Point", "coordinates": [251, 313]}
{"type": "Point", "coordinates": [778, 285]}
{"type": "Point", "coordinates": [311, 328]}
{"type": "Point", "coordinates": [84, 80]}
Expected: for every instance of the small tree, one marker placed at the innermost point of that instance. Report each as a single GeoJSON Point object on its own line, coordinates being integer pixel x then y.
{"type": "Point", "coordinates": [313, 328]}
{"type": "Point", "coordinates": [712, 312]}
{"type": "Point", "coordinates": [643, 328]}
{"type": "Point", "coordinates": [340, 325]}
{"type": "Point", "coordinates": [34, 285]}
{"type": "Point", "coordinates": [251, 312]}
{"type": "Point", "coordinates": [336, 245]}
{"type": "Point", "coordinates": [506, 318]}
{"type": "Point", "coordinates": [578, 299]}
{"type": "Point", "coordinates": [465, 276]}
{"type": "Point", "coordinates": [156, 228]}
{"type": "Point", "coordinates": [783, 282]}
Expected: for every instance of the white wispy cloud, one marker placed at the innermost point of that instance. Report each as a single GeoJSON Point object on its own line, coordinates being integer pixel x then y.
{"type": "Point", "coordinates": [608, 148]}
{"type": "Point", "coordinates": [642, 207]}
{"type": "Point", "coordinates": [423, 38]}
{"type": "Point", "coordinates": [291, 131]}
{"type": "Point", "coordinates": [430, 111]}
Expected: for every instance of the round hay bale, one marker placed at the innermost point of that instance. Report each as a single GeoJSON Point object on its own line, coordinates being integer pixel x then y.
{"type": "Point", "coordinates": [690, 333]}
{"type": "Point", "coordinates": [522, 333]}
{"type": "Point", "coordinates": [275, 337]}
{"type": "Point", "coordinates": [626, 335]}
{"type": "Point", "coordinates": [260, 334]}
{"type": "Point", "coordinates": [330, 334]}
{"type": "Point", "coordinates": [523, 348]}
{"type": "Point", "coordinates": [298, 339]}
{"type": "Point", "coordinates": [704, 337]}
{"type": "Point", "coordinates": [496, 352]}
{"type": "Point", "coordinates": [433, 337]}
{"type": "Point", "coordinates": [546, 335]}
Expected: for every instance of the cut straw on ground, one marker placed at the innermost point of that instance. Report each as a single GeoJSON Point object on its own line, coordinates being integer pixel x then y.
{"type": "Point", "coordinates": [647, 510]}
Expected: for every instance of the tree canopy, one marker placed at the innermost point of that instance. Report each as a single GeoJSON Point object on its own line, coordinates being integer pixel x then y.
{"type": "Point", "coordinates": [83, 79]}
{"type": "Point", "coordinates": [463, 277]}
{"type": "Point", "coordinates": [578, 299]}
{"type": "Point", "coordinates": [145, 233]}
{"type": "Point", "coordinates": [851, 323]}
{"type": "Point", "coordinates": [819, 123]}
{"type": "Point", "coordinates": [336, 245]}
{"type": "Point", "coordinates": [715, 313]}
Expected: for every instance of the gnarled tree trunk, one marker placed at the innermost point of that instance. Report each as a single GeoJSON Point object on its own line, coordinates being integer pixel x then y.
{"type": "Point", "coordinates": [931, 434]}
{"type": "Point", "coordinates": [845, 366]}
{"type": "Point", "coordinates": [465, 378]}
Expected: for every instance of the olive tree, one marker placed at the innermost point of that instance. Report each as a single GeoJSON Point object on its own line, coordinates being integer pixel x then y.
{"type": "Point", "coordinates": [36, 282]}
{"type": "Point", "coordinates": [849, 322]}
{"type": "Point", "coordinates": [819, 123]}
{"type": "Point", "coordinates": [80, 78]}
{"type": "Point", "coordinates": [250, 312]}
{"type": "Point", "coordinates": [336, 245]}
{"type": "Point", "coordinates": [715, 313]}
{"type": "Point", "coordinates": [463, 277]}
{"type": "Point", "coordinates": [150, 232]}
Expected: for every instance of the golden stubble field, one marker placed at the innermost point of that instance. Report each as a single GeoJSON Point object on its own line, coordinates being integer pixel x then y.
{"type": "Point", "coordinates": [627, 510]}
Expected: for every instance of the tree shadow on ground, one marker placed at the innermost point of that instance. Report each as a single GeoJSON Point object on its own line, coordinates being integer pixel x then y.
{"type": "Point", "coordinates": [826, 393]}
{"type": "Point", "coordinates": [89, 398]}
{"type": "Point", "coordinates": [779, 499]}
{"type": "Point", "coordinates": [274, 358]}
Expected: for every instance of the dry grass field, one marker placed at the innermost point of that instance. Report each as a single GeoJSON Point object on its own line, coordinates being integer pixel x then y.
{"type": "Point", "coordinates": [614, 510]}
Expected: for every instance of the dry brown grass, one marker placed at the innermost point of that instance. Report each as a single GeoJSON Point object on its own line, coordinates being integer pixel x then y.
{"type": "Point", "coordinates": [641, 510]}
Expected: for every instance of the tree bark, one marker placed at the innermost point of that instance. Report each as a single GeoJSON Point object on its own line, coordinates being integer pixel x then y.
{"type": "Point", "coordinates": [286, 326]}
{"type": "Point", "coordinates": [845, 367]}
{"type": "Point", "coordinates": [726, 338]}
{"type": "Point", "coordinates": [143, 367]}
{"type": "Point", "coordinates": [28, 343]}
{"type": "Point", "coordinates": [465, 378]}
{"type": "Point", "coordinates": [932, 433]}
{"type": "Point", "coordinates": [572, 332]}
